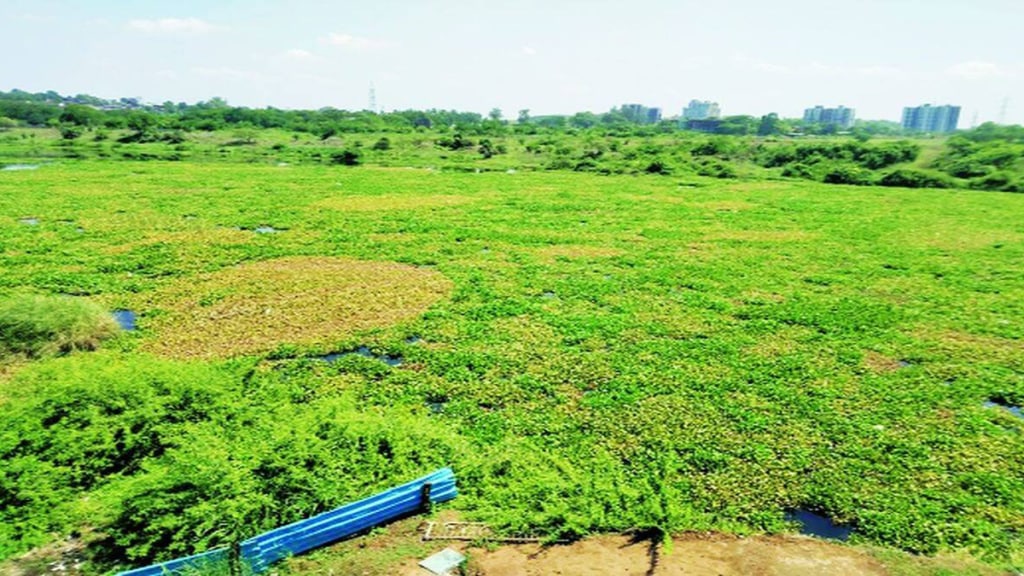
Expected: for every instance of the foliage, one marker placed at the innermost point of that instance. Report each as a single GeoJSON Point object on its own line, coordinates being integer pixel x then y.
{"type": "Point", "coordinates": [615, 351]}
{"type": "Point", "coordinates": [346, 157]}
{"type": "Point", "coordinates": [37, 325]}
{"type": "Point", "coordinates": [908, 178]}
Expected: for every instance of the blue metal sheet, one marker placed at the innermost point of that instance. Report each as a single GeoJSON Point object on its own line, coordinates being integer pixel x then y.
{"type": "Point", "coordinates": [299, 537]}
{"type": "Point", "coordinates": [259, 552]}
{"type": "Point", "coordinates": [196, 562]}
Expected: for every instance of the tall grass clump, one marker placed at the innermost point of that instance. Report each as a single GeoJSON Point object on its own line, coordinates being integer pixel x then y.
{"type": "Point", "coordinates": [38, 325]}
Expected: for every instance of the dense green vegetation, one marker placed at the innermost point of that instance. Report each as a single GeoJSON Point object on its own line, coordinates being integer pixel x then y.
{"type": "Point", "coordinates": [988, 158]}
{"type": "Point", "coordinates": [36, 325]}
{"type": "Point", "coordinates": [645, 330]}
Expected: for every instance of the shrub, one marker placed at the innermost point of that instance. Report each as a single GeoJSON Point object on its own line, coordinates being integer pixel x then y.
{"type": "Point", "coordinates": [715, 168]}
{"type": "Point", "coordinates": [79, 422]}
{"type": "Point", "coordinates": [907, 178]}
{"type": "Point", "coordinates": [382, 145]}
{"type": "Point", "coordinates": [37, 325]}
{"type": "Point", "coordinates": [798, 170]}
{"type": "Point", "coordinates": [845, 173]}
{"type": "Point", "coordinates": [345, 158]}
{"type": "Point", "coordinates": [658, 167]}
{"type": "Point", "coordinates": [1001, 181]}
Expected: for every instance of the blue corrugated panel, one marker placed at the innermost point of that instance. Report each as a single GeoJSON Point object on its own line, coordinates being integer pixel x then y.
{"type": "Point", "coordinates": [171, 567]}
{"type": "Point", "coordinates": [263, 550]}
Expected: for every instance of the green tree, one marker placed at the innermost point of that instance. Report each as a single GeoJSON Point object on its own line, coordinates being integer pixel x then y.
{"type": "Point", "coordinates": [79, 115]}
{"type": "Point", "coordinates": [769, 125]}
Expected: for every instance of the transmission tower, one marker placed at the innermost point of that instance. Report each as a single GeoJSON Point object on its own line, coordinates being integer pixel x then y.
{"type": "Point", "coordinates": [373, 98]}
{"type": "Point", "coordinates": [1002, 110]}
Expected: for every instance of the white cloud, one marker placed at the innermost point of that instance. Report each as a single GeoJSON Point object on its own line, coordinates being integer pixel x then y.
{"type": "Point", "coordinates": [351, 42]}
{"type": "Point", "coordinates": [298, 54]}
{"type": "Point", "coordinates": [172, 26]}
{"type": "Point", "coordinates": [759, 65]}
{"type": "Point", "coordinates": [976, 69]}
{"type": "Point", "coordinates": [529, 51]}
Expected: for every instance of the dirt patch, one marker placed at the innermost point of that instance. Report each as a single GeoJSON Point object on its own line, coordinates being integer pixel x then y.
{"type": "Point", "coordinates": [254, 308]}
{"type": "Point", "coordinates": [396, 549]}
{"type": "Point", "coordinates": [389, 202]}
{"type": "Point", "coordinates": [691, 555]}
{"type": "Point", "coordinates": [65, 557]}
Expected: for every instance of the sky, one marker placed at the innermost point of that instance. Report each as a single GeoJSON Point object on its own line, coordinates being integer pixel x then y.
{"type": "Point", "coordinates": [546, 56]}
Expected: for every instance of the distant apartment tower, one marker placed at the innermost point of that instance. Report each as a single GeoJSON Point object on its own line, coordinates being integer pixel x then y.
{"type": "Point", "coordinates": [841, 117]}
{"type": "Point", "coordinates": [928, 118]}
{"type": "Point", "coordinates": [641, 114]}
{"type": "Point", "coordinates": [701, 110]}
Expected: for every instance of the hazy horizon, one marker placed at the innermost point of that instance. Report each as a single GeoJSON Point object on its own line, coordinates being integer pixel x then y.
{"type": "Point", "coordinates": [876, 56]}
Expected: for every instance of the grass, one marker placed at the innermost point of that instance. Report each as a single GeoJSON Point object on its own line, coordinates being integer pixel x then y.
{"type": "Point", "coordinates": [37, 325]}
{"type": "Point", "coordinates": [598, 353]}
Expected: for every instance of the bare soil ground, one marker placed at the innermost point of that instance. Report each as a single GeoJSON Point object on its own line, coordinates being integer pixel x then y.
{"type": "Point", "coordinates": [688, 555]}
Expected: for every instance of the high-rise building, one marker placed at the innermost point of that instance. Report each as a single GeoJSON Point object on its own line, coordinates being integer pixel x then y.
{"type": "Point", "coordinates": [841, 117]}
{"type": "Point", "coordinates": [641, 114]}
{"type": "Point", "coordinates": [928, 118]}
{"type": "Point", "coordinates": [701, 110]}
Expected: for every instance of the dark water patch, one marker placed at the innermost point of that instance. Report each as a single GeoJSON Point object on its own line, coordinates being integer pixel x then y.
{"type": "Point", "coordinates": [365, 353]}
{"type": "Point", "coordinates": [17, 167]}
{"type": "Point", "coordinates": [125, 319]}
{"type": "Point", "coordinates": [436, 407]}
{"type": "Point", "coordinates": [29, 221]}
{"type": "Point", "coordinates": [413, 339]}
{"type": "Point", "coordinates": [814, 524]}
{"type": "Point", "coordinates": [548, 295]}
{"type": "Point", "coordinates": [999, 402]}
{"type": "Point", "coordinates": [905, 363]}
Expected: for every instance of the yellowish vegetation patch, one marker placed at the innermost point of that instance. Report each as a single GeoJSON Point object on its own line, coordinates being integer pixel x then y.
{"type": "Point", "coordinates": [975, 346]}
{"type": "Point", "coordinates": [550, 253]}
{"type": "Point", "coordinates": [202, 237]}
{"type": "Point", "coordinates": [880, 363]}
{"type": "Point", "coordinates": [253, 308]}
{"type": "Point", "coordinates": [725, 205]}
{"type": "Point", "coordinates": [390, 202]}
{"type": "Point", "coordinates": [762, 235]}
{"type": "Point", "coordinates": [786, 340]}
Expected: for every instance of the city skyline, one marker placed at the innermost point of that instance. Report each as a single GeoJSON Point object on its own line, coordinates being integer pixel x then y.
{"type": "Point", "coordinates": [550, 58]}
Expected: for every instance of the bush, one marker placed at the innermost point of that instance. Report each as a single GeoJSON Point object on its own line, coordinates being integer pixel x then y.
{"type": "Point", "coordinates": [382, 145]}
{"type": "Point", "coordinates": [658, 167]}
{"type": "Point", "coordinates": [798, 170]}
{"type": "Point", "coordinates": [842, 173]}
{"type": "Point", "coordinates": [715, 168]}
{"type": "Point", "coordinates": [37, 325]}
{"type": "Point", "coordinates": [345, 158]}
{"type": "Point", "coordinates": [1000, 181]}
{"type": "Point", "coordinates": [907, 178]}
{"type": "Point", "coordinates": [78, 423]}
